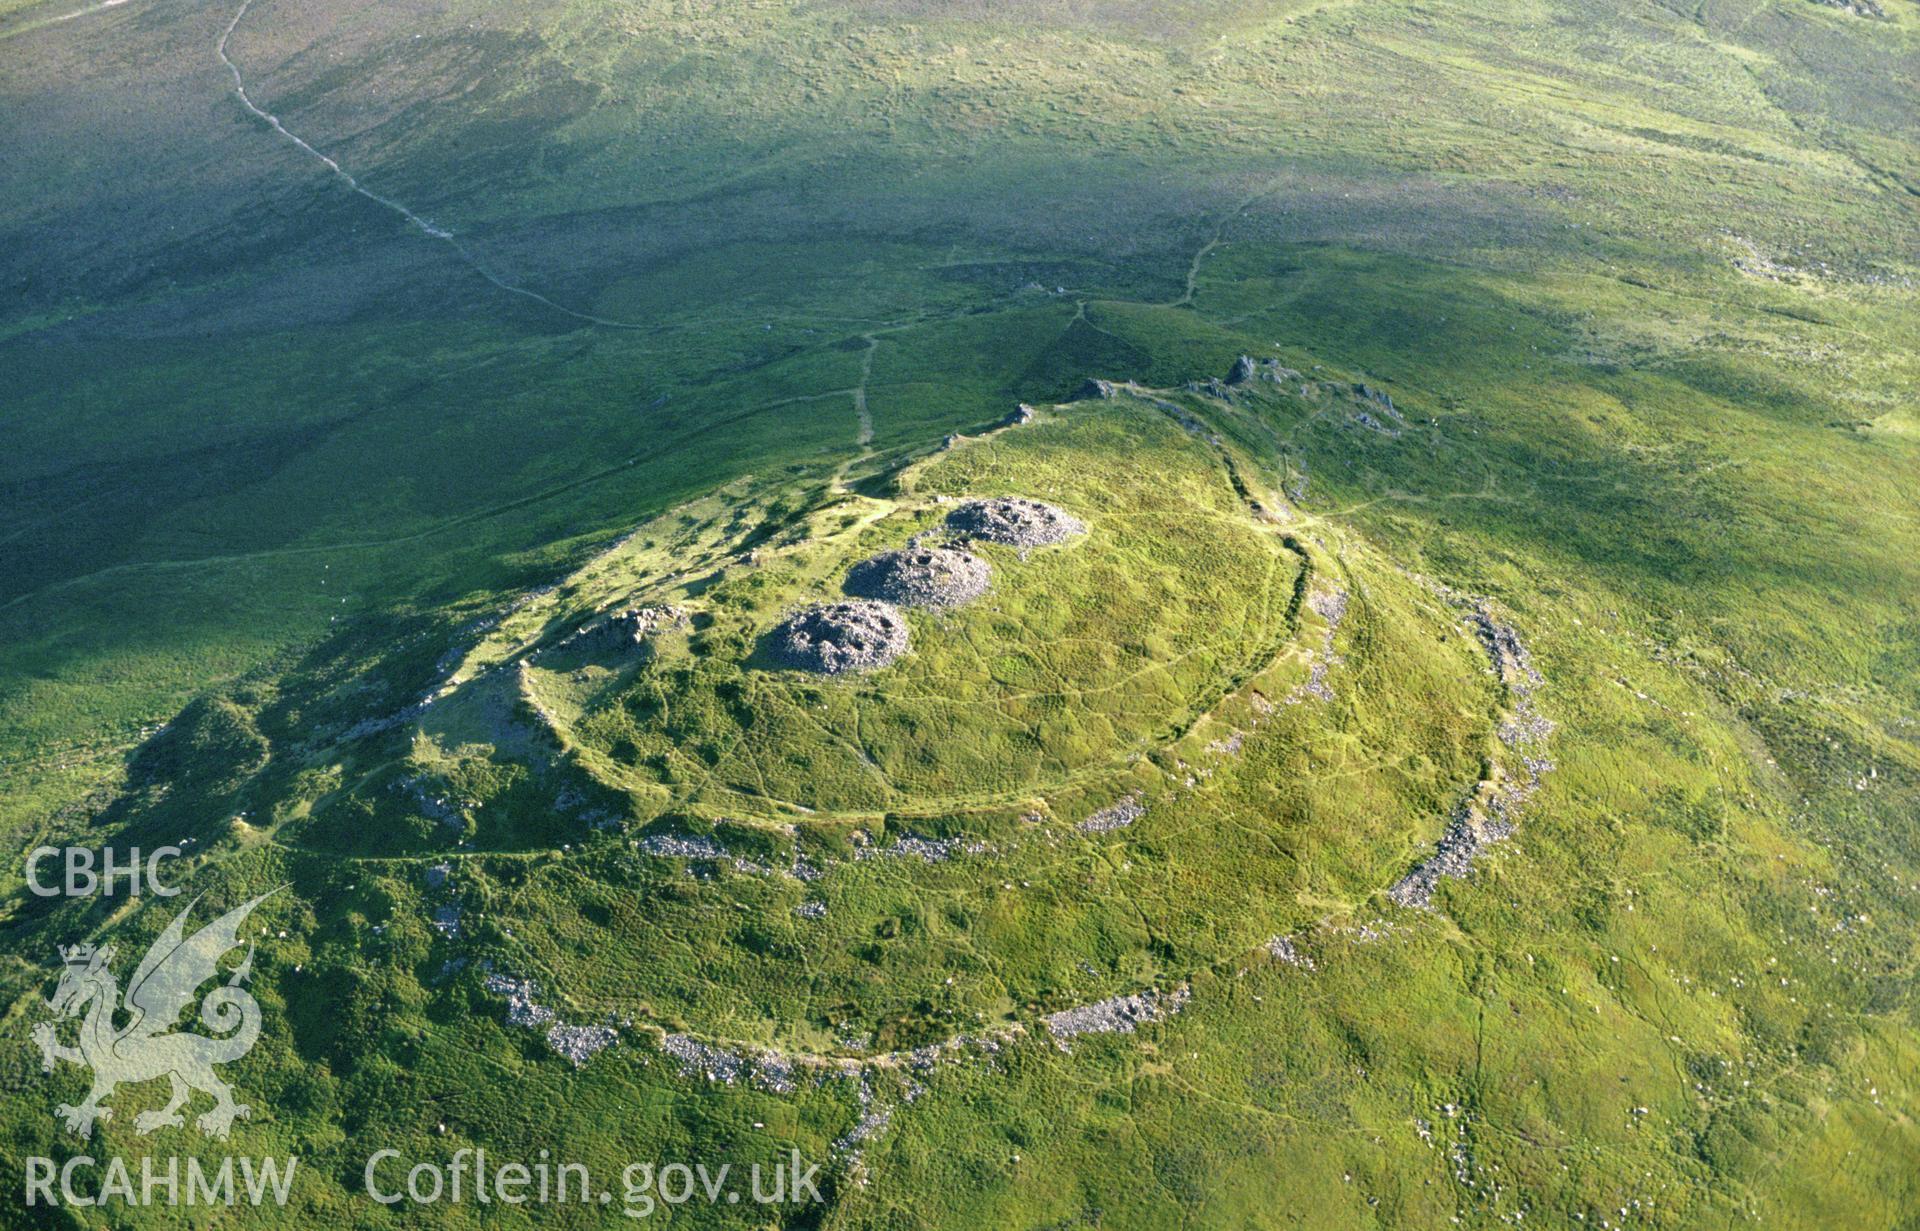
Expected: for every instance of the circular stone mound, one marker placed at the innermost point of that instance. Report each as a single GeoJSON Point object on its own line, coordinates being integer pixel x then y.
{"type": "Point", "coordinates": [834, 637]}
{"type": "Point", "coordinates": [1013, 520]}
{"type": "Point", "coordinates": [920, 576]}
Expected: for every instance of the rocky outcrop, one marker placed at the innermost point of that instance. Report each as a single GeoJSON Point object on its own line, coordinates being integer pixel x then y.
{"type": "Point", "coordinates": [580, 1043]}
{"type": "Point", "coordinates": [1247, 369]}
{"type": "Point", "coordinates": [624, 630]}
{"type": "Point", "coordinates": [1115, 816]}
{"type": "Point", "coordinates": [1859, 8]}
{"type": "Point", "coordinates": [1491, 812]}
{"type": "Point", "coordinates": [1115, 1015]}
{"type": "Point", "coordinates": [1284, 949]}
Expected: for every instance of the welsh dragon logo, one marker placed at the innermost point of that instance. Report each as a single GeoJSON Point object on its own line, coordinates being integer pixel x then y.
{"type": "Point", "coordinates": [147, 1047]}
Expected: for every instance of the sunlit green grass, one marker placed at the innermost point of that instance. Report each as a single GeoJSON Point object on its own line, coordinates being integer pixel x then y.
{"type": "Point", "coordinates": [1641, 286]}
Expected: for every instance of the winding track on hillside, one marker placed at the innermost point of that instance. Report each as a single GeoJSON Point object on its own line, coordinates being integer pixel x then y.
{"type": "Point", "coordinates": [427, 228]}
{"type": "Point", "coordinates": [44, 22]}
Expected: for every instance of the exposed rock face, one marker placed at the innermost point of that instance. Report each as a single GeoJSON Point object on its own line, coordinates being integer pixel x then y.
{"type": "Point", "coordinates": [1014, 521]}
{"type": "Point", "coordinates": [579, 1043]}
{"type": "Point", "coordinates": [1283, 949]}
{"type": "Point", "coordinates": [927, 850]}
{"type": "Point", "coordinates": [522, 1008]}
{"type": "Point", "coordinates": [1492, 812]}
{"type": "Point", "coordinates": [921, 576]}
{"type": "Point", "coordinates": [1859, 8]}
{"type": "Point", "coordinates": [1247, 369]}
{"type": "Point", "coordinates": [626, 629]}
{"type": "Point", "coordinates": [1115, 1015]}
{"type": "Point", "coordinates": [768, 1069]}
{"type": "Point", "coordinates": [681, 846]}
{"type": "Point", "coordinates": [1331, 606]}
{"type": "Point", "coordinates": [832, 638]}
{"type": "Point", "coordinates": [1115, 816]}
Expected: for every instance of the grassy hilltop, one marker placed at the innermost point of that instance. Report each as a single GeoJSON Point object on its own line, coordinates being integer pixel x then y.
{"type": "Point", "coordinates": [1565, 500]}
